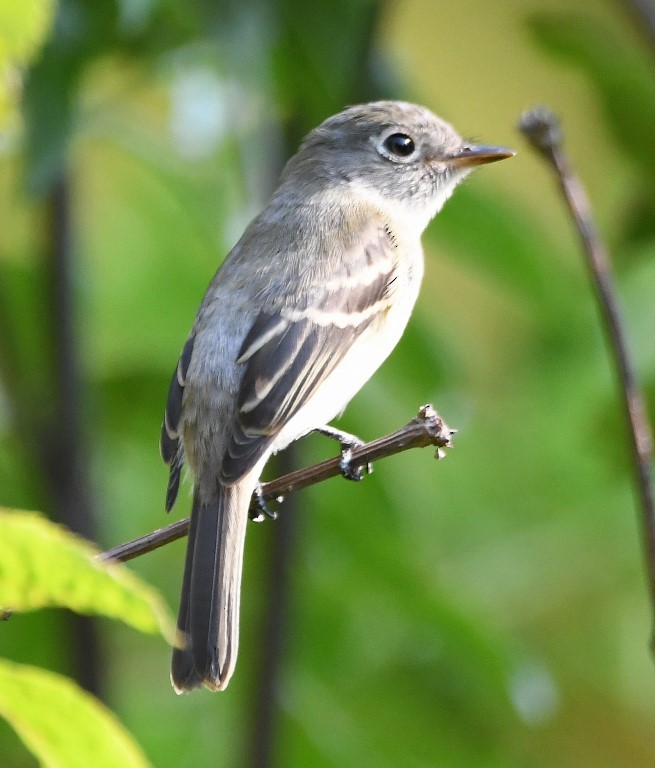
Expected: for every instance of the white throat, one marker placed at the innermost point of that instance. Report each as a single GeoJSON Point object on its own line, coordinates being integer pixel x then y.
{"type": "Point", "coordinates": [415, 217]}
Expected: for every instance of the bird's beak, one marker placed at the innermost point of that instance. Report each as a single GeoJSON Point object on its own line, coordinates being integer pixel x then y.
{"type": "Point", "coordinates": [471, 155]}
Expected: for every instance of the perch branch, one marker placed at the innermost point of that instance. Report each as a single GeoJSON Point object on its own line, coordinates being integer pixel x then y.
{"type": "Point", "coordinates": [543, 130]}
{"type": "Point", "coordinates": [427, 428]}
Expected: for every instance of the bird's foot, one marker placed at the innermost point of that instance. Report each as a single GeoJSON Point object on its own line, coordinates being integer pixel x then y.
{"type": "Point", "coordinates": [259, 509]}
{"type": "Point", "coordinates": [347, 443]}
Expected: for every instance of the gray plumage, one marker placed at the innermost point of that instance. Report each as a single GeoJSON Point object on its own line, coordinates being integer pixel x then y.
{"type": "Point", "coordinates": [307, 305]}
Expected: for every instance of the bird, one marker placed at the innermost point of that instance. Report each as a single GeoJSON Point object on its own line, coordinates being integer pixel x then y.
{"type": "Point", "coordinates": [303, 310]}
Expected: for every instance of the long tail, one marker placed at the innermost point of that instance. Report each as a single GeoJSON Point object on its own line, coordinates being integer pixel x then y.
{"type": "Point", "coordinates": [208, 622]}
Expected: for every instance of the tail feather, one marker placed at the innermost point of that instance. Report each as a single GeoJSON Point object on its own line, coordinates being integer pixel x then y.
{"type": "Point", "coordinates": [208, 621]}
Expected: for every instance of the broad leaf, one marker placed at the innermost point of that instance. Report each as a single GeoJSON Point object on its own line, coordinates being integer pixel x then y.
{"type": "Point", "coordinates": [62, 725]}
{"type": "Point", "coordinates": [42, 565]}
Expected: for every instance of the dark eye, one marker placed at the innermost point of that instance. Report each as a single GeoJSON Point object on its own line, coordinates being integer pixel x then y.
{"type": "Point", "coordinates": [399, 144]}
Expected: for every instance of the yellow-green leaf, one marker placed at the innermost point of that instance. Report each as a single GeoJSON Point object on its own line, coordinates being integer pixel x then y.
{"type": "Point", "coordinates": [62, 725]}
{"type": "Point", "coordinates": [23, 27]}
{"type": "Point", "coordinates": [41, 564]}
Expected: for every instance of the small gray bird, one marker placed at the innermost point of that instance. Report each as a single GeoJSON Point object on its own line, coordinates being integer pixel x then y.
{"type": "Point", "coordinates": [307, 305]}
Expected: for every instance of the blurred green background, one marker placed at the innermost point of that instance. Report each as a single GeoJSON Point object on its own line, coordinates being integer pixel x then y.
{"type": "Point", "coordinates": [488, 610]}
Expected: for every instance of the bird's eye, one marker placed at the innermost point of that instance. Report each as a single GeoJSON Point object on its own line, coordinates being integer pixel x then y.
{"type": "Point", "coordinates": [399, 145]}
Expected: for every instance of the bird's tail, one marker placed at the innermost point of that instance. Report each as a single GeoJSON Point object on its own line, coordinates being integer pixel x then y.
{"type": "Point", "coordinates": [208, 622]}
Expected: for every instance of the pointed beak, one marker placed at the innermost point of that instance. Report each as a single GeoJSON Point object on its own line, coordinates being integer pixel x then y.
{"type": "Point", "coordinates": [471, 155]}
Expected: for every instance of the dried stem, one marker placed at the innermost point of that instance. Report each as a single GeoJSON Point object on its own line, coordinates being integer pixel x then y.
{"type": "Point", "coordinates": [427, 428]}
{"type": "Point", "coordinates": [544, 132]}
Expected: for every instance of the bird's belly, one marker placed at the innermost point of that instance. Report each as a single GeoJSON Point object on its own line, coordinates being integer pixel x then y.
{"type": "Point", "coordinates": [366, 355]}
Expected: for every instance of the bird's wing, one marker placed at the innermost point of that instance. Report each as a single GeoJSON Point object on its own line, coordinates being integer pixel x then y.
{"type": "Point", "coordinates": [169, 442]}
{"type": "Point", "coordinates": [289, 352]}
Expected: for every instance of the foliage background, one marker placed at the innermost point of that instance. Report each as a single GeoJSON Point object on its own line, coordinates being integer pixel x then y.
{"type": "Point", "coordinates": [489, 610]}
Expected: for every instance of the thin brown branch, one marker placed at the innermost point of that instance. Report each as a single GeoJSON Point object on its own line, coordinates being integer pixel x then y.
{"type": "Point", "coordinates": [544, 132]}
{"type": "Point", "coordinates": [427, 428]}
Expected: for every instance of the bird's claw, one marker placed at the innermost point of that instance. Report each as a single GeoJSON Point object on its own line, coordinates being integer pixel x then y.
{"type": "Point", "coordinates": [356, 473]}
{"type": "Point", "coordinates": [259, 509]}
{"type": "Point", "coordinates": [347, 442]}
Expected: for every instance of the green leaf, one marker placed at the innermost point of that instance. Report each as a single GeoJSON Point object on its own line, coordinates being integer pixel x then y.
{"type": "Point", "coordinates": [62, 725]}
{"type": "Point", "coordinates": [23, 27]}
{"type": "Point", "coordinates": [311, 80]}
{"type": "Point", "coordinates": [482, 232]}
{"type": "Point", "coordinates": [43, 565]}
{"type": "Point", "coordinates": [82, 32]}
{"type": "Point", "coordinates": [621, 73]}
